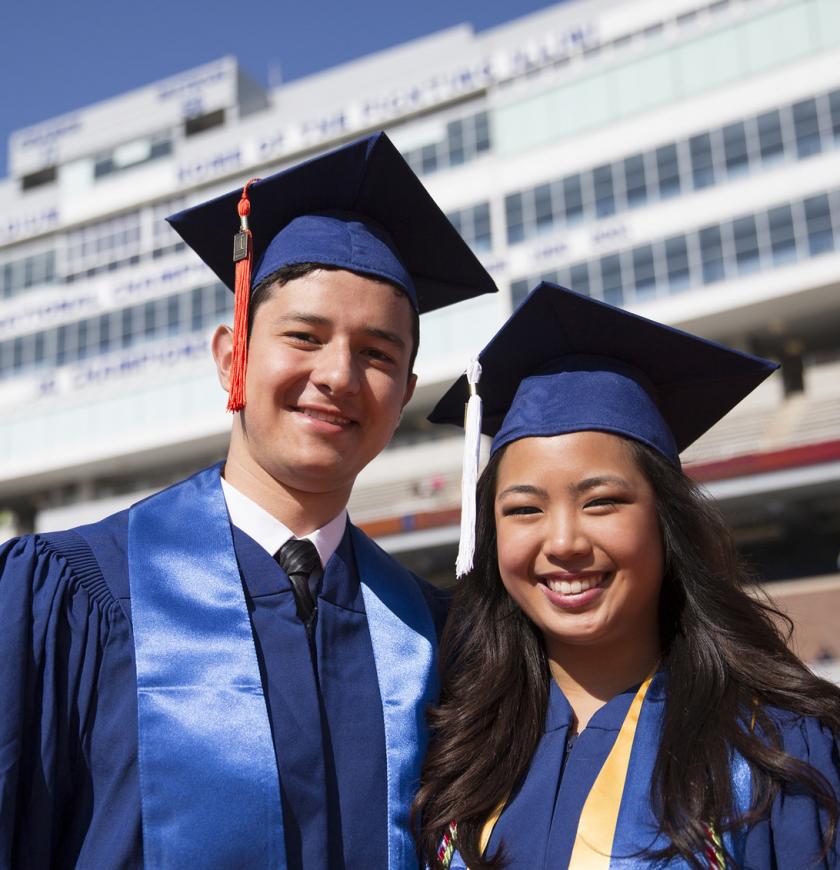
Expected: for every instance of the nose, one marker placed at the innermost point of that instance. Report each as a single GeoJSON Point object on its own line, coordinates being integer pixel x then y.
{"type": "Point", "coordinates": [335, 369]}
{"type": "Point", "coordinates": [566, 538]}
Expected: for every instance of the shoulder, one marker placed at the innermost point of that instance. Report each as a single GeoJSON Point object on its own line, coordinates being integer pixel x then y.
{"type": "Point", "coordinates": [807, 738]}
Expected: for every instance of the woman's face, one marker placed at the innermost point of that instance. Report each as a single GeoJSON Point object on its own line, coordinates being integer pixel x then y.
{"type": "Point", "coordinates": [578, 540]}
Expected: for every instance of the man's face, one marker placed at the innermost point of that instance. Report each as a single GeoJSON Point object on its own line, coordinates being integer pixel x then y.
{"type": "Point", "coordinates": [326, 381]}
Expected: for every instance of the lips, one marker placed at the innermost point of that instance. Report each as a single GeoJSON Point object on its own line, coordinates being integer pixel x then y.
{"type": "Point", "coordinates": [325, 416]}
{"type": "Point", "coordinates": [574, 584]}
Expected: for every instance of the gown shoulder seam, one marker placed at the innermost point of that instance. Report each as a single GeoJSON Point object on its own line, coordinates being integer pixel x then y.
{"type": "Point", "coordinates": [83, 564]}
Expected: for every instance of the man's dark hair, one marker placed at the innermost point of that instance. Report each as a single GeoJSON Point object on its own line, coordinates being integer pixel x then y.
{"type": "Point", "coordinates": [262, 293]}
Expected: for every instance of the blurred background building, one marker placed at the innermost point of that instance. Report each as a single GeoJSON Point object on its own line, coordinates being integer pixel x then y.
{"type": "Point", "coordinates": [677, 157]}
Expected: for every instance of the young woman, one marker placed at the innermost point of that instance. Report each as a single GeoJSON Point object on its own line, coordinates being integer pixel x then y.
{"type": "Point", "coordinates": [613, 695]}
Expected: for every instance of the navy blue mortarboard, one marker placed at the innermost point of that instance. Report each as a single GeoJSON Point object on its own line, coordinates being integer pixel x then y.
{"type": "Point", "coordinates": [566, 363]}
{"type": "Point", "coordinates": [359, 207]}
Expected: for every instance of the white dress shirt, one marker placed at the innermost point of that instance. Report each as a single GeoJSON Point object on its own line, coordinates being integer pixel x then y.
{"type": "Point", "coordinates": [271, 534]}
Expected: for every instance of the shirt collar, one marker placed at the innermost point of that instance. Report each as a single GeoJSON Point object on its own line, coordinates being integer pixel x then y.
{"type": "Point", "coordinates": [271, 534]}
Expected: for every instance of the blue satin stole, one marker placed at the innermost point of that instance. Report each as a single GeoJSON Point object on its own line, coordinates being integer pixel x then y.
{"type": "Point", "coordinates": [539, 824]}
{"type": "Point", "coordinates": [209, 780]}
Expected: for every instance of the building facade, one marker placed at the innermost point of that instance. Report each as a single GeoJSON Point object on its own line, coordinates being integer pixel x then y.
{"type": "Point", "coordinates": [676, 157]}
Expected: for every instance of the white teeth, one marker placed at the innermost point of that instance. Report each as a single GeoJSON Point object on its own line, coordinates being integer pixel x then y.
{"type": "Point", "coordinates": [573, 587]}
{"type": "Point", "coordinates": [327, 418]}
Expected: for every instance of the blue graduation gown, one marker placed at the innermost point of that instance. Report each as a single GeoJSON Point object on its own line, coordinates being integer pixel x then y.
{"type": "Point", "coordinates": [69, 782]}
{"type": "Point", "coordinates": [539, 822]}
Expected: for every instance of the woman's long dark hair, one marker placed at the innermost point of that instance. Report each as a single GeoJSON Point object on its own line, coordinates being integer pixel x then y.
{"type": "Point", "coordinates": [727, 660]}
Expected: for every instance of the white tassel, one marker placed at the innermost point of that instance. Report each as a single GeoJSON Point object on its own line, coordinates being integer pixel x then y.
{"type": "Point", "coordinates": [469, 472]}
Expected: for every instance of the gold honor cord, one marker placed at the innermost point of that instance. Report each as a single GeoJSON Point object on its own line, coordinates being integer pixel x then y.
{"type": "Point", "coordinates": [596, 827]}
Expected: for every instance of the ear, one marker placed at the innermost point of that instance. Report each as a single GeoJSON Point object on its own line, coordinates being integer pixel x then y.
{"type": "Point", "coordinates": [222, 347]}
{"type": "Point", "coordinates": [409, 389]}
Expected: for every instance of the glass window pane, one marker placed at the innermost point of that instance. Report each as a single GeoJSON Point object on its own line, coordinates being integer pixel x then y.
{"type": "Point", "coordinates": [676, 260]}
{"type": "Point", "coordinates": [746, 244]}
{"type": "Point", "coordinates": [702, 166]}
{"type": "Point", "coordinates": [127, 329]}
{"type": "Point", "coordinates": [782, 235]}
{"type": "Point", "coordinates": [514, 218]}
{"type": "Point", "coordinates": [579, 278]}
{"type": "Point", "coordinates": [573, 198]}
{"type": "Point", "coordinates": [834, 110]}
{"type": "Point", "coordinates": [455, 142]}
{"type": "Point", "coordinates": [611, 279]}
{"type": "Point", "coordinates": [711, 254]}
{"type": "Point", "coordinates": [818, 225]}
{"type": "Point", "coordinates": [644, 275]}
{"type": "Point", "coordinates": [519, 290]}
{"type": "Point", "coordinates": [149, 319]}
{"type": "Point", "coordinates": [735, 149]}
{"type": "Point", "coordinates": [807, 128]}
{"type": "Point", "coordinates": [173, 305]}
{"type": "Point", "coordinates": [634, 180]}
{"type": "Point", "coordinates": [61, 345]}
{"type": "Point", "coordinates": [770, 141]}
{"type": "Point", "coordinates": [429, 158]}
{"type": "Point", "coordinates": [602, 178]}
{"type": "Point", "coordinates": [542, 207]}
{"type": "Point", "coordinates": [668, 170]}
{"type": "Point", "coordinates": [104, 334]}
{"type": "Point", "coordinates": [482, 132]}
{"type": "Point", "coordinates": [481, 227]}
{"type": "Point", "coordinates": [82, 335]}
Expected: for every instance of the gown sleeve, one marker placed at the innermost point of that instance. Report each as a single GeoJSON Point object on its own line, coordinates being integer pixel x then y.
{"type": "Point", "coordinates": [794, 834]}
{"type": "Point", "coordinates": [54, 629]}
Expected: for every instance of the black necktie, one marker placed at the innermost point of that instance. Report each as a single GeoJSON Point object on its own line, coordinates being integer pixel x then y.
{"type": "Point", "coordinates": [299, 558]}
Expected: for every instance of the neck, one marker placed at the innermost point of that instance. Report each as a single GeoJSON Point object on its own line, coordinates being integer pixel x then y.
{"type": "Point", "coordinates": [300, 511]}
{"type": "Point", "coordinates": [591, 676]}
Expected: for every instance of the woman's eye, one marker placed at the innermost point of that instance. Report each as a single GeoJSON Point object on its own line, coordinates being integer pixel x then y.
{"type": "Point", "coordinates": [520, 510]}
{"type": "Point", "coordinates": [603, 501]}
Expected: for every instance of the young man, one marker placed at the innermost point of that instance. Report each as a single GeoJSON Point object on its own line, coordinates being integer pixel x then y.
{"type": "Point", "coordinates": [230, 674]}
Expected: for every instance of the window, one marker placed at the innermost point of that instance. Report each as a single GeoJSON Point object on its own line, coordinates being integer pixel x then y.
{"type": "Point", "coordinates": [518, 291]}
{"type": "Point", "coordinates": [702, 163]}
{"type": "Point", "coordinates": [735, 149]}
{"type": "Point", "coordinates": [573, 198]}
{"type": "Point", "coordinates": [20, 274]}
{"type": "Point", "coordinates": [38, 179]}
{"type": "Point", "coordinates": [428, 158]}
{"type": "Point", "coordinates": [473, 225]}
{"type": "Point", "coordinates": [611, 279]}
{"type": "Point", "coordinates": [834, 111]}
{"type": "Point", "coordinates": [711, 254]}
{"type": "Point", "coordinates": [543, 209]}
{"type": "Point", "coordinates": [818, 225]}
{"type": "Point", "coordinates": [514, 218]}
{"type": "Point", "coordinates": [676, 262]}
{"type": "Point", "coordinates": [668, 171]}
{"type": "Point", "coordinates": [644, 272]}
{"type": "Point", "coordinates": [579, 278]}
{"type": "Point", "coordinates": [746, 244]}
{"type": "Point", "coordinates": [602, 178]}
{"type": "Point", "coordinates": [806, 126]}
{"type": "Point", "coordinates": [455, 142]}
{"type": "Point", "coordinates": [207, 121]}
{"type": "Point", "coordinates": [634, 180]}
{"type": "Point", "coordinates": [782, 235]}
{"type": "Point", "coordinates": [771, 143]}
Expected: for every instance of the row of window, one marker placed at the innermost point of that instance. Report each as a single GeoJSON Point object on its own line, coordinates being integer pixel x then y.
{"type": "Point", "coordinates": [179, 313]}
{"type": "Point", "coordinates": [464, 140]}
{"type": "Point", "coordinates": [792, 132]}
{"type": "Point", "coordinates": [25, 272]}
{"type": "Point", "coordinates": [784, 234]}
{"type": "Point", "coordinates": [792, 231]}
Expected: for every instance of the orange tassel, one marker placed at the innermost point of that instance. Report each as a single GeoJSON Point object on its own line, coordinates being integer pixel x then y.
{"type": "Point", "coordinates": [243, 254]}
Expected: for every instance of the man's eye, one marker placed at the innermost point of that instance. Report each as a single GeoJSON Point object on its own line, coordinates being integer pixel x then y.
{"type": "Point", "coordinates": [379, 355]}
{"type": "Point", "coordinates": [305, 337]}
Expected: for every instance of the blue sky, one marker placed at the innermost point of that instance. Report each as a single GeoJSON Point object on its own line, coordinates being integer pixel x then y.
{"type": "Point", "coordinates": [60, 55]}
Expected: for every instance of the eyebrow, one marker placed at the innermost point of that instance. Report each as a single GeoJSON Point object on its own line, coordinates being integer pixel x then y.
{"type": "Point", "coordinates": [319, 320]}
{"type": "Point", "coordinates": [600, 480]}
{"type": "Point", "coordinates": [580, 487]}
{"type": "Point", "coordinates": [523, 489]}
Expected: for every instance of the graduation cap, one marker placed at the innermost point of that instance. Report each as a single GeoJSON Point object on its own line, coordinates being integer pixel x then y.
{"type": "Point", "coordinates": [565, 363]}
{"type": "Point", "coordinates": [359, 207]}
